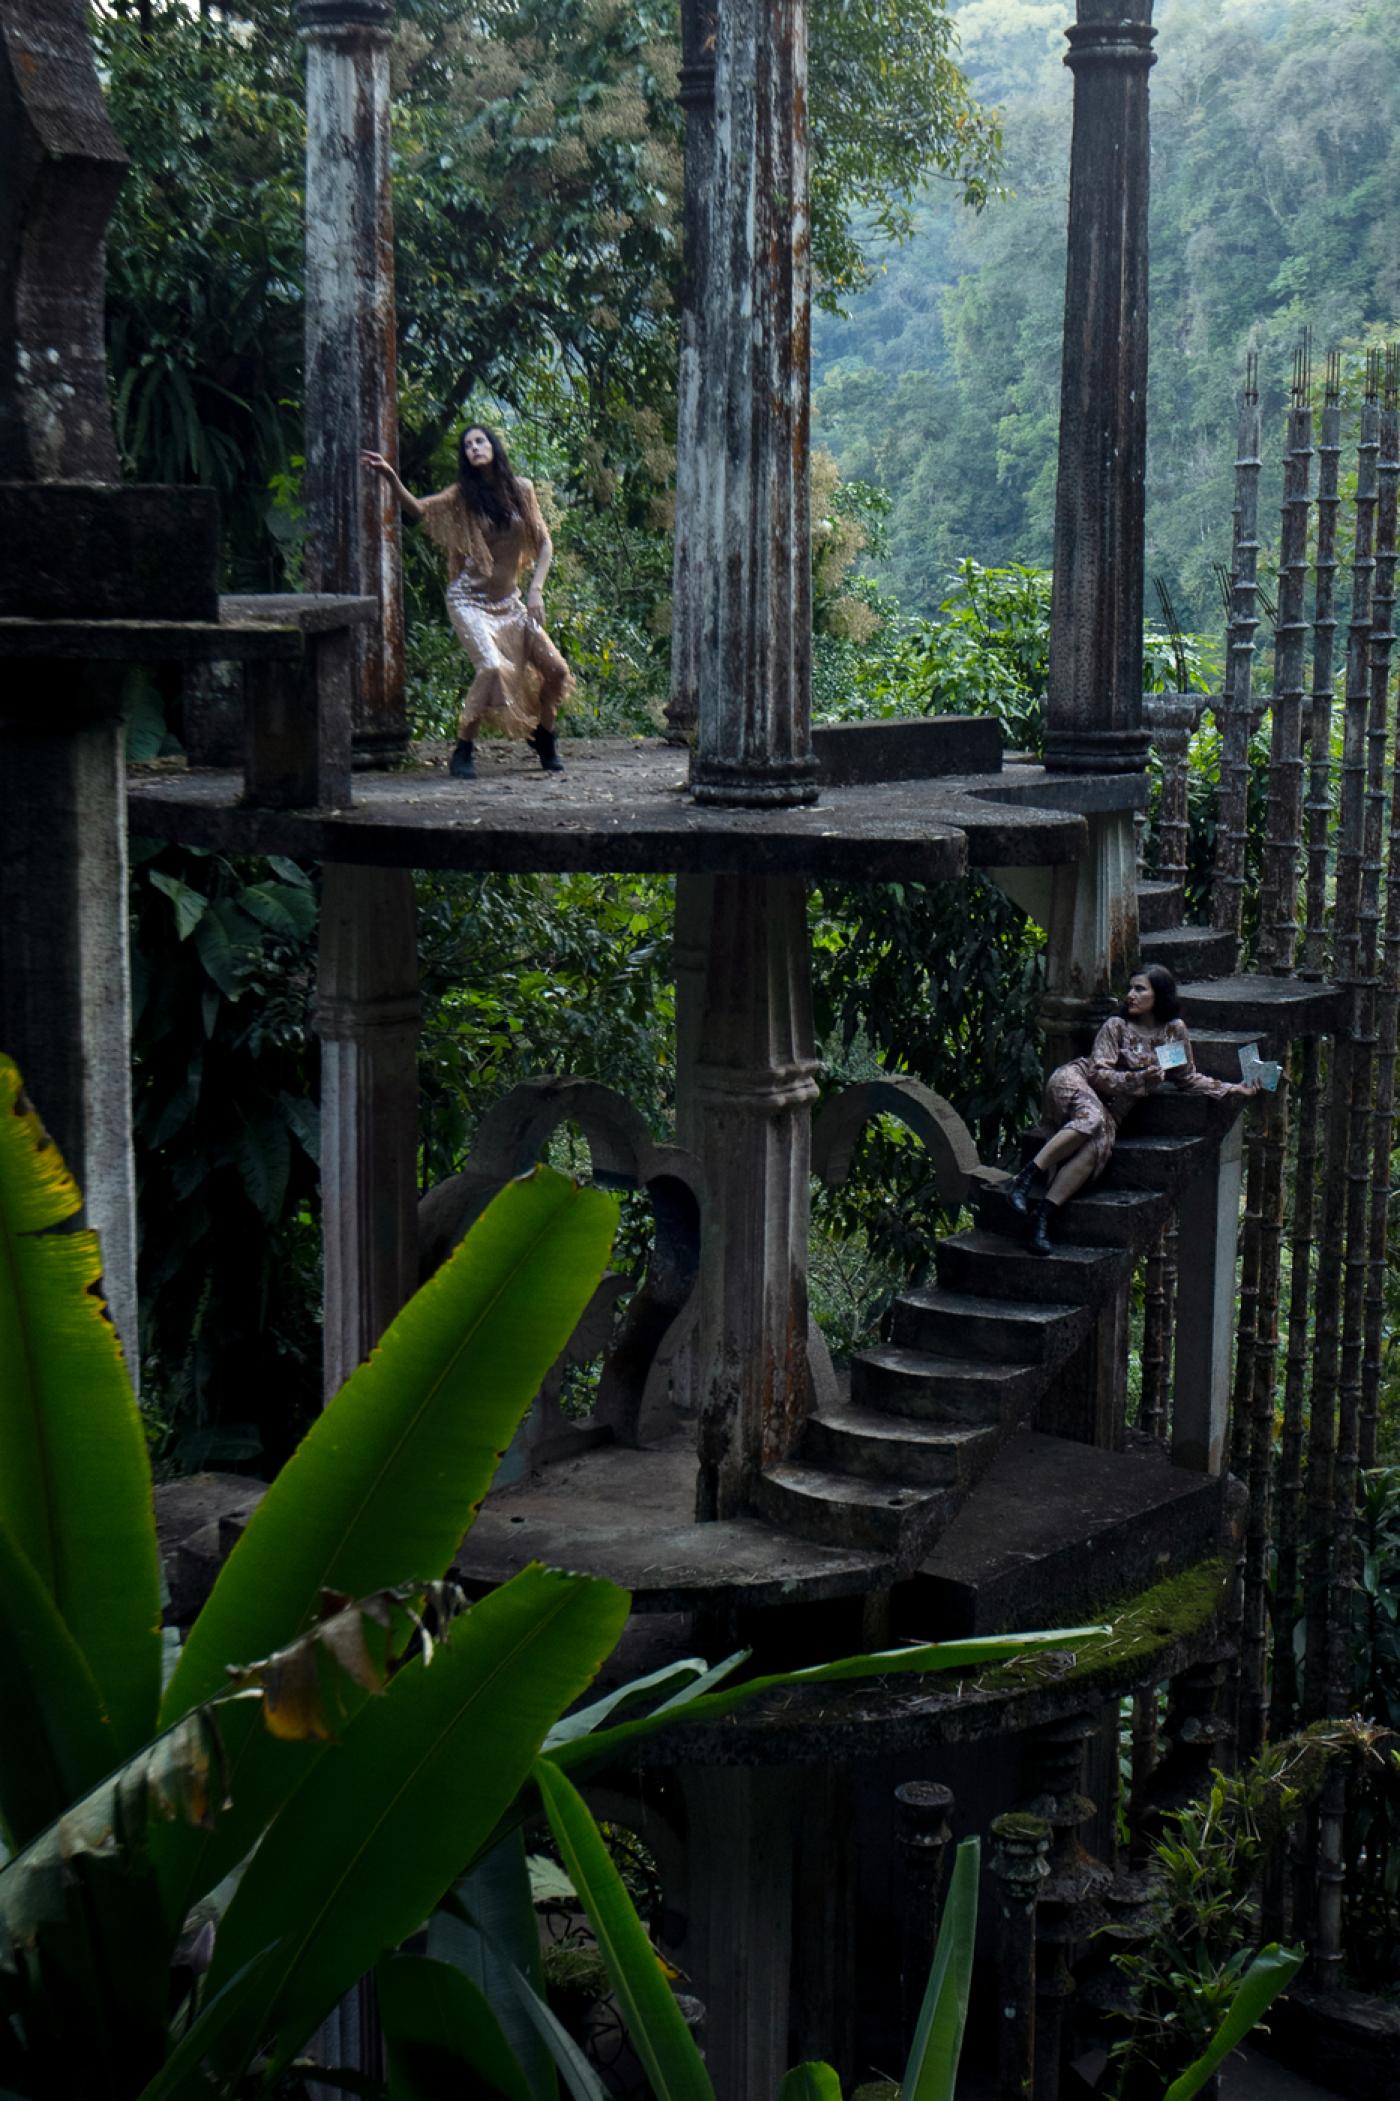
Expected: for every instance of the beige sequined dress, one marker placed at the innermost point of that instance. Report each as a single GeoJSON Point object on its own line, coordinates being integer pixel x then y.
{"type": "Point", "coordinates": [514, 660]}
{"type": "Point", "coordinates": [1094, 1094]}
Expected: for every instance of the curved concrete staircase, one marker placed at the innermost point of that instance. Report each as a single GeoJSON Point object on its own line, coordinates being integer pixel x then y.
{"type": "Point", "coordinates": [887, 1464]}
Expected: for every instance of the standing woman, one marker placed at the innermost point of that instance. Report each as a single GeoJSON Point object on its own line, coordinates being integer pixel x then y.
{"type": "Point", "coordinates": [1087, 1100]}
{"type": "Point", "coordinates": [488, 524]}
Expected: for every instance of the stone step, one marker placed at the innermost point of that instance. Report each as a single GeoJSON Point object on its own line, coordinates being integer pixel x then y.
{"type": "Point", "coordinates": [1280, 1008]}
{"type": "Point", "coordinates": [1061, 1520]}
{"type": "Point", "coordinates": [1146, 1162]}
{"type": "Point", "coordinates": [1190, 951]}
{"type": "Point", "coordinates": [1099, 1217]}
{"type": "Point", "coordinates": [837, 1510]}
{"type": "Point", "coordinates": [1003, 1332]}
{"type": "Point", "coordinates": [1160, 905]}
{"type": "Point", "coordinates": [998, 1267]}
{"type": "Point", "coordinates": [1218, 1050]}
{"type": "Point", "coordinates": [880, 1447]}
{"type": "Point", "coordinates": [921, 1386]}
{"type": "Point", "coordinates": [1173, 1112]}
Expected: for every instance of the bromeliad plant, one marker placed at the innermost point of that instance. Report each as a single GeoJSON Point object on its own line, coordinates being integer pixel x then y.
{"type": "Point", "coordinates": [199, 1874]}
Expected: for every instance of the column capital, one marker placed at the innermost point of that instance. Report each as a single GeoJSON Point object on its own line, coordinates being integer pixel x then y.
{"type": "Point", "coordinates": [1112, 32]}
{"type": "Point", "coordinates": [330, 19]}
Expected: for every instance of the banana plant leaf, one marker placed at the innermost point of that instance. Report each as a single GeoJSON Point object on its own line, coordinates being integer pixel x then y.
{"type": "Point", "coordinates": [440, 2035]}
{"type": "Point", "coordinates": [645, 2000]}
{"type": "Point", "coordinates": [55, 1741]}
{"type": "Point", "coordinates": [181, 2077]}
{"type": "Point", "coordinates": [1271, 1971]}
{"type": "Point", "coordinates": [811, 2082]}
{"type": "Point", "coordinates": [75, 1481]}
{"type": "Point", "coordinates": [578, 2074]}
{"type": "Point", "coordinates": [932, 2071]}
{"type": "Point", "coordinates": [389, 1478]}
{"type": "Point", "coordinates": [360, 1855]}
{"type": "Point", "coordinates": [697, 1704]}
{"type": "Point", "coordinates": [486, 1927]}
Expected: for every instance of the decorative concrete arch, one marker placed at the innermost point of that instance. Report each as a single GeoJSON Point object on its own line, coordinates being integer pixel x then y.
{"type": "Point", "coordinates": [838, 1124]}
{"type": "Point", "coordinates": [511, 1139]}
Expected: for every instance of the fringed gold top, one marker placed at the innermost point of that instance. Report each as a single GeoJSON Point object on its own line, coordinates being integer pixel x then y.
{"type": "Point", "coordinates": [494, 559]}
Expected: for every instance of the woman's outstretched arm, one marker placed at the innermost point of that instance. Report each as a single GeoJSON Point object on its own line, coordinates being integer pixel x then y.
{"type": "Point", "coordinates": [377, 463]}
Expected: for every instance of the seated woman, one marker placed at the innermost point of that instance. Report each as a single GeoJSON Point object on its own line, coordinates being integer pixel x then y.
{"type": "Point", "coordinates": [1087, 1100]}
{"type": "Point", "coordinates": [488, 524]}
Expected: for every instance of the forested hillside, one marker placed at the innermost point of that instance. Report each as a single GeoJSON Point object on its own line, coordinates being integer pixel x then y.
{"type": "Point", "coordinates": [1276, 174]}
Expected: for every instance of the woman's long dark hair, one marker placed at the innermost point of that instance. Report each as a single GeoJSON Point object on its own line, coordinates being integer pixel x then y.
{"type": "Point", "coordinates": [1166, 1003]}
{"type": "Point", "coordinates": [490, 493]}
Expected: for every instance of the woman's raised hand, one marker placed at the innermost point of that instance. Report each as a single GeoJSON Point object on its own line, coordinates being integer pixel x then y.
{"type": "Point", "coordinates": [377, 461]}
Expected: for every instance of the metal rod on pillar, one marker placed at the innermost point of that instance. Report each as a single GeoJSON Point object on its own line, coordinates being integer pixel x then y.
{"type": "Point", "coordinates": [353, 537]}
{"type": "Point", "coordinates": [1094, 706]}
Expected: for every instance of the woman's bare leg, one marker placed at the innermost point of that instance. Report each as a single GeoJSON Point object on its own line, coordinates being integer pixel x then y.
{"type": "Point", "coordinates": [1057, 1150]}
{"type": "Point", "coordinates": [1072, 1176]}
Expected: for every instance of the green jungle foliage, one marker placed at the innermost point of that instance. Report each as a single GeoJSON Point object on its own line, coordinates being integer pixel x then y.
{"type": "Point", "coordinates": [195, 1868]}
{"type": "Point", "coordinates": [1274, 169]}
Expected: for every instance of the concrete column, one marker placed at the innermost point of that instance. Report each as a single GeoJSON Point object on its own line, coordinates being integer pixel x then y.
{"type": "Point", "coordinates": [740, 1835]}
{"type": "Point", "coordinates": [1205, 1326]}
{"type": "Point", "coordinates": [352, 521]}
{"type": "Point", "coordinates": [1018, 1868]}
{"type": "Point", "coordinates": [751, 487]}
{"type": "Point", "coordinates": [65, 967]}
{"type": "Point", "coordinates": [367, 1010]}
{"type": "Point", "coordinates": [1094, 709]}
{"type": "Point", "coordinates": [61, 166]}
{"type": "Point", "coordinates": [749, 1076]}
{"type": "Point", "coordinates": [1092, 944]}
{"type": "Point", "coordinates": [699, 34]}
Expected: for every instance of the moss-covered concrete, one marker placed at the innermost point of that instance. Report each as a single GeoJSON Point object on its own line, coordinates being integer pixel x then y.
{"type": "Point", "coordinates": [1148, 1625]}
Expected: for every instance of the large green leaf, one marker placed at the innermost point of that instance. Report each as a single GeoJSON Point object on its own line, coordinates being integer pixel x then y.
{"type": "Point", "coordinates": [695, 1704]}
{"type": "Point", "coordinates": [55, 1742]}
{"type": "Point", "coordinates": [361, 1853]}
{"type": "Point", "coordinates": [181, 2078]}
{"type": "Point", "coordinates": [487, 1928]}
{"type": "Point", "coordinates": [1271, 1971]}
{"type": "Point", "coordinates": [389, 1478]}
{"type": "Point", "coordinates": [932, 2071]}
{"type": "Point", "coordinates": [810, 2082]}
{"type": "Point", "coordinates": [440, 2035]}
{"type": "Point", "coordinates": [75, 1482]}
{"type": "Point", "coordinates": [645, 2000]}
{"type": "Point", "coordinates": [578, 2074]}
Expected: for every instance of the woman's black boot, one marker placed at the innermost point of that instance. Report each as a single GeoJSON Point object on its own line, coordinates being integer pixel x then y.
{"type": "Point", "coordinates": [1040, 1242]}
{"type": "Point", "coordinates": [462, 764]}
{"type": "Point", "coordinates": [544, 742]}
{"type": "Point", "coordinates": [1021, 1193]}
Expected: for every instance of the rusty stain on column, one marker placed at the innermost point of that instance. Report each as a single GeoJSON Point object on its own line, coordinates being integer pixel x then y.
{"type": "Point", "coordinates": [1094, 706]}
{"type": "Point", "coordinates": [352, 522]}
{"type": "Point", "coordinates": [753, 529]}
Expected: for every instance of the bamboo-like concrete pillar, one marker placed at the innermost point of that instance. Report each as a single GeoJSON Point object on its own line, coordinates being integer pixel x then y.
{"type": "Point", "coordinates": [1232, 806]}
{"type": "Point", "coordinates": [352, 521]}
{"type": "Point", "coordinates": [750, 483]}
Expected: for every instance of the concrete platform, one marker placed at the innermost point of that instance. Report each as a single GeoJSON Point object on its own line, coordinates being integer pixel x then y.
{"type": "Point", "coordinates": [622, 806]}
{"type": "Point", "coordinates": [1055, 1520]}
{"type": "Point", "coordinates": [1278, 1009]}
{"type": "Point", "coordinates": [630, 1516]}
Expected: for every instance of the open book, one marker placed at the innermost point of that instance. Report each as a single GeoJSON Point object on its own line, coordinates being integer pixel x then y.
{"type": "Point", "coordinates": [1170, 1055]}
{"type": "Point", "coordinates": [1260, 1072]}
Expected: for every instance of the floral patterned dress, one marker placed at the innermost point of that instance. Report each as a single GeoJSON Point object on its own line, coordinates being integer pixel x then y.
{"type": "Point", "coordinates": [1094, 1094]}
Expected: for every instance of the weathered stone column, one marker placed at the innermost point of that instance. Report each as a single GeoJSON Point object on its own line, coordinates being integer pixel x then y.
{"type": "Point", "coordinates": [1208, 1224]}
{"type": "Point", "coordinates": [1018, 1868]}
{"type": "Point", "coordinates": [750, 485]}
{"type": "Point", "coordinates": [750, 1077]}
{"type": "Point", "coordinates": [367, 1009]}
{"type": "Point", "coordinates": [65, 984]}
{"type": "Point", "coordinates": [353, 537]}
{"type": "Point", "coordinates": [65, 976]}
{"type": "Point", "coordinates": [699, 34]}
{"type": "Point", "coordinates": [1094, 712]}
{"type": "Point", "coordinates": [922, 1809]}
